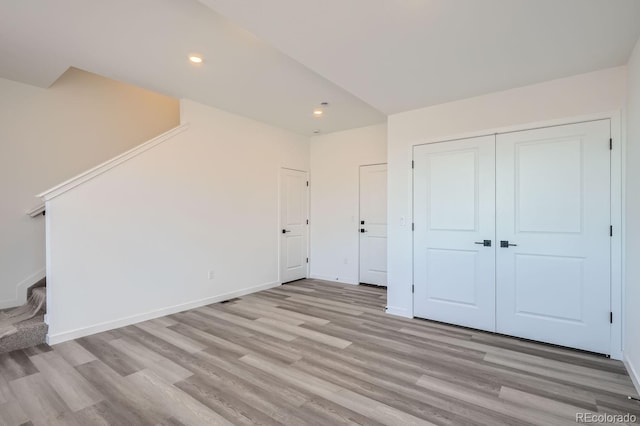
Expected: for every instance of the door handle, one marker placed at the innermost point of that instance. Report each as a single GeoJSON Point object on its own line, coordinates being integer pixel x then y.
{"type": "Point", "coordinates": [362, 230]}
{"type": "Point", "coordinates": [486, 243]}
{"type": "Point", "coordinates": [506, 244]}
{"type": "Point", "coordinates": [284, 231]}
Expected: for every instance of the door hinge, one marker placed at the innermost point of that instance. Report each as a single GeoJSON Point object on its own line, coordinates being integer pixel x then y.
{"type": "Point", "coordinates": [610, 317]}
{"type": "Point", "coordinates": [307, 221]}
{"type": "Point", "coordinates": [413, 226]}
{"type": "Point", "coordinates": [413, 288]}
{"type": "Point", "coordinates": [610, 143]}
{"type": "Point", "coordinates": [307, 260]}
{"type": "Point", "coordinates": [611, 230]}
{"type": "Point", "coordinates": [307, 183]}
{"type": "Point", "coordinates": [413, 164]}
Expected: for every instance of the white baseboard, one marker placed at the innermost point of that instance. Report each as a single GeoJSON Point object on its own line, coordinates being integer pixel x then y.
{"type": "Point", "coordinates": [633, 373]}
{"type": "Point", "coordinates": [53, 339]}
{"type": "Point", "coordinates": [20, 296]}
{"type": "Point", "coordinates": [400, 312]}
{"type": "Point", "coordinates": [334, 279]}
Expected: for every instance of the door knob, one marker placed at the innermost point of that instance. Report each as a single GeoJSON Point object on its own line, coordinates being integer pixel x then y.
{"type": "Point", "coordinates": [284, 231]}
{"type": "Point", "coordinates": [486, 243]}
{"type": "Point", "coordinates": [506, 244]}
{"type": "Point", "coordinates": [362, 230]}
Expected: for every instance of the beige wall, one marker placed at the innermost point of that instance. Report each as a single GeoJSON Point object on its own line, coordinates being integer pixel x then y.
{"type": "Point", "coordinates": [50, 135]}
{"type": "Point", "coordinates": [189, 222]}
{"type": "Point", "coordinates": [335, 182]}
{"type": "Point", "coordinates": [632, 237]}
{"type": "Point", "coordinates": [596, 92]}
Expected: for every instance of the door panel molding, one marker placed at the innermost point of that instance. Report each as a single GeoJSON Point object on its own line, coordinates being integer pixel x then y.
{"type": "Point", "coordinates": [617, 199]}
{"type": "Point", "coordinates": [372, 239]}
{"type": "Point", "coordinates": [454, 276]}
{"type": "Point", "coordinates": [293, 232]}
{"type": "Point", "coordinates": [555, 284]}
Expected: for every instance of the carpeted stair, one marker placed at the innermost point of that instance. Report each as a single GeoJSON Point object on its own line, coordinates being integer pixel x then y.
{"type": "Point", "coordinates": [24, 326]}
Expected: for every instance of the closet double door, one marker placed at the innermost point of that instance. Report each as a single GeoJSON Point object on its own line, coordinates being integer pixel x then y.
{"type": "Point", "coordinates": [511, 234]}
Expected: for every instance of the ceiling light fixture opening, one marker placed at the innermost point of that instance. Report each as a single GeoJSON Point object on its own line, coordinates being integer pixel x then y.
{"type": "Point", "coordinates": [196, 59]}
{"type": "Point", "coordinates": [318, 112]}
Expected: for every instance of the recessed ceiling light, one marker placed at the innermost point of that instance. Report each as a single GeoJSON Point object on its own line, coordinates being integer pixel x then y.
{"type": "Point", "coordinates": [318, 112]}
{"type": "Point", "coordinates": [196, 59]}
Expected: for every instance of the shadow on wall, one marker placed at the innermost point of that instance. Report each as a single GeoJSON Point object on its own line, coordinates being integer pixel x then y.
{"type": "Point", "coordinates": [50, 135]}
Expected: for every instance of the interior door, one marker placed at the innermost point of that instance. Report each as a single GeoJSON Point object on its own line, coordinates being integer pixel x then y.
{"type": "Point", "coordinates": [454, 221]}
{"type": "Point", "coordinates": [553, 204]}
{"type": "Point", "coordinates": [293, 225]}
{"type": "Point", "coordinates": [373, 224]}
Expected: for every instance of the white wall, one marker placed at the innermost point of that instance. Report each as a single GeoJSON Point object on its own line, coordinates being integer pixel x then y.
{"type": "Point", "coordinates": [595, 92]}
{"type": "Point", "coordinates": [632, 238]}
{"type": "Point", "coordinates": [335, 163]}
{"type": "Point", "coordinates": [49, 135]}
{"type": "Point", "coordinates": [139, 240]}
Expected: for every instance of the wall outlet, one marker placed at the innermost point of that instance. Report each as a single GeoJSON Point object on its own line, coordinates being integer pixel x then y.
{"type": "Point", "coordinates": [212, 275]}
{"type": "Point", "coordinates": [346, 260]}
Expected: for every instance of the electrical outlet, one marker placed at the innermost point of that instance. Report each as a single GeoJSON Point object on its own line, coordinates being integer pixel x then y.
{"type": "Point", "coordinates": [346, 260]}
{"type": "Point", "coordinates": [212, 274]}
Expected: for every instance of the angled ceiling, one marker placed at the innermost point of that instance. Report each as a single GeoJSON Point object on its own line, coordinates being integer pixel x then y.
{"type": "Point", "coordinates": [276, 60]}
{"type": "Point", "coordinates": [399, 55]}
{"type": "Point", "coordinates": [146, 43]}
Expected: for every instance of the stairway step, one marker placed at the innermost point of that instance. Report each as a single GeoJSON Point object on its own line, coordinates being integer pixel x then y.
{"type": "Point", "coordinates": [31, 332]}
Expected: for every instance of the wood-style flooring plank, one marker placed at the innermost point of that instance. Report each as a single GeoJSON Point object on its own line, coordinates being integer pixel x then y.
{"type": "Point", "coordinates": [74, 354]}
{"type": "Point", "coordinates": [310, 352]}
{"type": "Point", "coordinates": [100, 347]}
{"type": "Point", "coordinates": [12, 414]}
{"type": "Point", "coordinates": [76, 392]}
{"type": "Point", "coordinates": [14, 365]}
{"type": "Point", "coordinates": [176, 403]}
{"type": "Point", "coordinates": [40, 402]}
{"type": "Point", "coordinates": [176, 339]}
{"type": "Point", "coordinates": [151, 360]}
{"type": "Point", "coordinates": [121, 394]}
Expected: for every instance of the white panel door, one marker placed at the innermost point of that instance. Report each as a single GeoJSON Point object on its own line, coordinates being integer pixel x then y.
{"type": "Point", "coordinates": [293, 225]}
{"type": "Point", "coordinates": [373, 224]}
{"type": "Point", "coordinates": [454, 213]}
{"type": "Point", "coordinates": [553, 202]}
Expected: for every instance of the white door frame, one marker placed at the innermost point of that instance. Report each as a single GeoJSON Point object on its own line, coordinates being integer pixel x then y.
{"type": "Point", "coordinates": [617, 205]}
{"type": "Point", "coordinates": [359, 212]}
{"type": "Point", "coordinates": [279, 215]}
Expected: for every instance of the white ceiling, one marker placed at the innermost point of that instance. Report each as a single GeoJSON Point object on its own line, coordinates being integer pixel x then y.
{"type": "Point", "coordinates": [146, 43]}
{"type": "Point", "coordinates": [276, 60]}
{"type": "Point", "coordinates": [399, 55]}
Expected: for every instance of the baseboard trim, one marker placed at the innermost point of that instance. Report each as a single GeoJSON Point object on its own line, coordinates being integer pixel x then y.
{"type": "Point", "coordinates": [633, 373]}
{"type": "Point", "coordinates": [333, 279]}
{"type": "Point", "coordinates": [400, 312]}
{"type": "Point", "coordinates": [54, 339]}
{"type": "Point", "coordinates": [20, 297]}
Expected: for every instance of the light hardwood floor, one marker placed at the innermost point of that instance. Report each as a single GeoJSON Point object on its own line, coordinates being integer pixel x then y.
{"type": "Point", "coordinates": [310, 352]}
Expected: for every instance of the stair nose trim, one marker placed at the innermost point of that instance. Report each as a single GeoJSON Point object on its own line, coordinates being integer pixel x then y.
{"type": "Point", "coordinates": [110, 164]}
